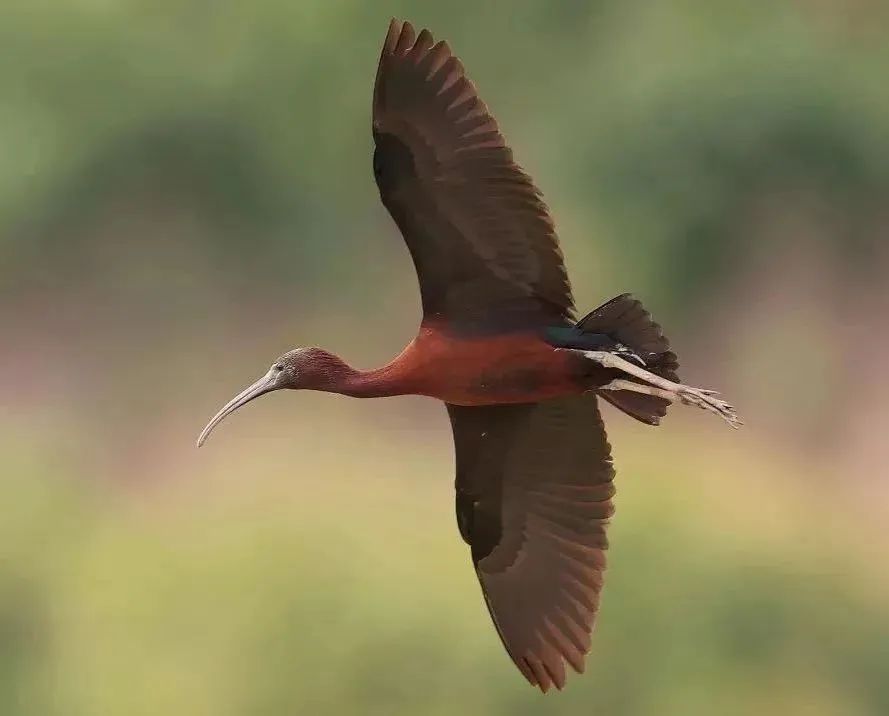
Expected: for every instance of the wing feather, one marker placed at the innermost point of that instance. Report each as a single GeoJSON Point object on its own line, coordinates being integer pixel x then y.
{"type": "Point", "coordinates": [534, 488]}
{"type": "Point", "coordinates": [482, 239]}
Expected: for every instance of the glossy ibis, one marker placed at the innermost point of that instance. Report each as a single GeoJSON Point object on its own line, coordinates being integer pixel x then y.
{"type": "Point", "coordinates": [498, 345]}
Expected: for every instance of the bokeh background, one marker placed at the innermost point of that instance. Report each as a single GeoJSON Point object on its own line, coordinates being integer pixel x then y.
{"type": "Point", "coordinates": [186, 192]}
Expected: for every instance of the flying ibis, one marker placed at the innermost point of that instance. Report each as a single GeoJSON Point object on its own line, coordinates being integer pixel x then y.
{"type": "Point", "coordinates": [499, 345]}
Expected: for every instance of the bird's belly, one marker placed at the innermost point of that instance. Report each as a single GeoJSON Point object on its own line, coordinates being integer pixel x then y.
{"type": "Point", "coordinates": [498, 371]}
{"type": "Point", "coordinates": [523, 385]}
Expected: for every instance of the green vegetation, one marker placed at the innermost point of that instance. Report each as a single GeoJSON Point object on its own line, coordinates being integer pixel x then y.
{"type": "Point", "coordinates": [353, 594]}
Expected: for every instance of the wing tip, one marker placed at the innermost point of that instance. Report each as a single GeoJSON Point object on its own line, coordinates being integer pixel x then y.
{"type": "Point", "coordinates": [401, 37]}
{"type": "Point", "coordinates": [406, 38]}
{"type": "Point", "coordinates": [543, 671]}
{"type": "Point", "coordinates": [392, 35]}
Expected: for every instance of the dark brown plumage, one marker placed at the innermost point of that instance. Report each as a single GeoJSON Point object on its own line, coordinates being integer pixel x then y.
{"type": "Point", "coordinates": [534, 488]}
{"type": "Point", "coordinates": [498, 346]}
{"type": "Point", "coordinates": [482, 239]}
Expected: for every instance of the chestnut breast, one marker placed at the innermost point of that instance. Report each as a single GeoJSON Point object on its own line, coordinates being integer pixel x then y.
{"type": "Point", "coordinates": [485, 370]}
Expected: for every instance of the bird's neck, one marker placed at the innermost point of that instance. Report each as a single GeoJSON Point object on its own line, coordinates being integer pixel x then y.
{"type": "Point", "coordinates": [377, 383]}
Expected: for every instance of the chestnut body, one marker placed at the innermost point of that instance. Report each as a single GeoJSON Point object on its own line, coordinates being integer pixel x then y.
{"type": "Point", "coordinates": [519, 367]}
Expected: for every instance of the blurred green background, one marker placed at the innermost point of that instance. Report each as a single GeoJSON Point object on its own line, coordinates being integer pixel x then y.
{"type": "Point", "coordinates": [186, 192]}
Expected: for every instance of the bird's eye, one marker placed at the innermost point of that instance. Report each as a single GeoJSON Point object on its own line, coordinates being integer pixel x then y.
{"type": "Point", "coordinates": [278, 367]}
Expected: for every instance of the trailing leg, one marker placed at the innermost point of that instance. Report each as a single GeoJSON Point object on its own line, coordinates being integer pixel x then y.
{"type": "Point", "coordinates": [661, 387]}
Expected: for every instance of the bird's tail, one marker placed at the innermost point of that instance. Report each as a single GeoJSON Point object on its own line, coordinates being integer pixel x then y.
{"type": "Point", "coordinates": [625, 321]}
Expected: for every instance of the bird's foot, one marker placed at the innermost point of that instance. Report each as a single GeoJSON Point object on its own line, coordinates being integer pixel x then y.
{"type": "Point", "coordinates": [663, 388]}
{"type": "Point", "coordinates": [708, 400]}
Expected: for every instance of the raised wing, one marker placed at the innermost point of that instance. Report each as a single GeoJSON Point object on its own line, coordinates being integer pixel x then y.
{"type": "Point", "coordinates": [534, 488]}
{"type": "Point", "coordinates": [482, 240]}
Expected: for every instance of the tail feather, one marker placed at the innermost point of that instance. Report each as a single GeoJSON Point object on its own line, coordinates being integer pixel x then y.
{"type": "Point", "coordinates": [626, 323]}
{"type": "Point", "coordinates": [624, 319]}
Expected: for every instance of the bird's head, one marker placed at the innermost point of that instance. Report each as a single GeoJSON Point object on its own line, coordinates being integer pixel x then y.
{"type": "Point", "coordinates": [299, 369]}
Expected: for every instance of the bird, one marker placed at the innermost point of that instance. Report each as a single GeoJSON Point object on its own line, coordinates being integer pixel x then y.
{"type": "Point", "coordinates": [500, 346]}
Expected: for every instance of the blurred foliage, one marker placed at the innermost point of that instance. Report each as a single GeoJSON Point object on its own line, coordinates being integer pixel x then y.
{"type": "Point", "coordinates": [186, 191]}
{"type": "Point", "coordinates": [271, 595]}
{"type": "Point", "coordinates": [678, 119]}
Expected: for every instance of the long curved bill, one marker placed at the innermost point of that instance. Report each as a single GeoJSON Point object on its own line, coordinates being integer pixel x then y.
{"type": "Point", "coordinates": [264, 385]}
